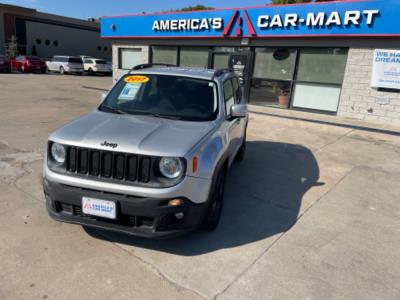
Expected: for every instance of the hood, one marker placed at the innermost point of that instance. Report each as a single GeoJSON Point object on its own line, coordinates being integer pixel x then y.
{"type": "Point", "coordinates": [133, 134]}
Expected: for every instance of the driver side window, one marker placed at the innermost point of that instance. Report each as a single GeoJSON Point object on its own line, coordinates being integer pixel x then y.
{"type": "Point", "coordinates": [229, 97]}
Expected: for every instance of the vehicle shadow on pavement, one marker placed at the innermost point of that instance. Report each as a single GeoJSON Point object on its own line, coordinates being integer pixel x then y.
{"type": "Point", "coordinates": [263, 197]}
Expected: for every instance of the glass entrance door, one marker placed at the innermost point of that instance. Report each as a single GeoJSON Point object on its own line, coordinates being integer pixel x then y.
{"type": "Point", "coordinates": [237, 61]}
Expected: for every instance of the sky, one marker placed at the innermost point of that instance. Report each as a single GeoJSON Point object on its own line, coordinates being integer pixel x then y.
{"type": "Point", "coordinates": [84, 9]}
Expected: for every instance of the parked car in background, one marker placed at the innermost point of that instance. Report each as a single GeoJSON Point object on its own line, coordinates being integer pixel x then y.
{"type": "Point", "coordinates": [83, 57]}
{"type": "Point", "coordinates": [96, 66]}
{"type": "Point", "coordinates": [66, 64]}
{"type": "Point", "coordinates": [4, 64]}
{"type": "Point", "coordinates": [27, 64]}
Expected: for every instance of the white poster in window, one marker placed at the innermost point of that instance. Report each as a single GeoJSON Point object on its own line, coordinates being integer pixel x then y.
{"type": "Point", "coordinates": [386, 69]}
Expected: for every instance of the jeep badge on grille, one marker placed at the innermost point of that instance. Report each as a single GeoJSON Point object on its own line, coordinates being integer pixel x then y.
{"type": "Point", "coordinates": [107, 144]}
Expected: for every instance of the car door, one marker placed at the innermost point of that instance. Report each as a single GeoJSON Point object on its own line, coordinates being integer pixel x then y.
{"type": "Point", "coordinates": [240, 98]}
{"type": "Point", "coordinates": [88, 63]}
{"type": "Point", "coordinates": [51, 64]}
{"type": "Point", "coordinates": [16, 63]}
{"type": "Point", "coordinates": [234, 132]}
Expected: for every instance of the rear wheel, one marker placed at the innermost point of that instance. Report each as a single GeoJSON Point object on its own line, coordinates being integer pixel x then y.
{"type": "Point", "coordinates": [213, 216]}
{"type": "Point", "coordinates": [62, 71]}
{"type": "Point", "coordinates": [90, 71]}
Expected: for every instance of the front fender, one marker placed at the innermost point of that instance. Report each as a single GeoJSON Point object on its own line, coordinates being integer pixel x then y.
{"type": "Point", "coordinates": [209, 155]}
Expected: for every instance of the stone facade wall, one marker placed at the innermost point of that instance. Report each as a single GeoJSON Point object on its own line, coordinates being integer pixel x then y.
{"type": "Point", "coordinates": [358, 100]}
{"type": "Point", "coordinates": [117, 72]}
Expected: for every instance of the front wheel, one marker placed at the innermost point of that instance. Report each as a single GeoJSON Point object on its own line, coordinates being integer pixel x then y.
{"type": "Point", "coordinates": [213, 216]}
{"type": "Point", "coordinates": [62, 71]}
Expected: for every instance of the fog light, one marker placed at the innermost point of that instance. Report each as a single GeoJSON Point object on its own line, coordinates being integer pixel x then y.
{"type": "Point", "coordinates": [179, 216]}
{"type": "Point", "coordinates": [175, 202]}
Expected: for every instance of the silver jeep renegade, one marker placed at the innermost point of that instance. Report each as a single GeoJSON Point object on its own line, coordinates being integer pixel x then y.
{"type": "Point", "coordinates": [152, 159]}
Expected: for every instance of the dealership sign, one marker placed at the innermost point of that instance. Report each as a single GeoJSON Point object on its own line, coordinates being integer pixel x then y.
{"type": "Point", "coordinates": [347, 18]}
{"type": "Point", "coordinates": [386, 69]}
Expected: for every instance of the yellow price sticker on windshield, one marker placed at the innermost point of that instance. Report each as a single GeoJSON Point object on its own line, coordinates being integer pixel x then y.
{"type": "Point", "coordinates": [136, 79]}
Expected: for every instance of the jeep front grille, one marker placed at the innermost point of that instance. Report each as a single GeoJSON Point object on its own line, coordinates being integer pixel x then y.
{"type": "Point", "coordinates": [109, 165]}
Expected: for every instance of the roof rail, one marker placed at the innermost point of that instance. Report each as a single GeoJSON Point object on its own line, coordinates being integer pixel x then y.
{"type": "Point", "coordinates": [146, 66]}
{"type": "Point", "coordinates": [220, 72]}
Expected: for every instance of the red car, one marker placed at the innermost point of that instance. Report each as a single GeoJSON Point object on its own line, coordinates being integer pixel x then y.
{"type": "Point", "coordinates": [4, 64]}
{"type": "Point", "coordinates": [27, 64]}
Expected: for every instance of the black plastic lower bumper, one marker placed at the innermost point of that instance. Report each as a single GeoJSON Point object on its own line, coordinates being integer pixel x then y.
{"type": "Point", "coordinates": [146, 217]}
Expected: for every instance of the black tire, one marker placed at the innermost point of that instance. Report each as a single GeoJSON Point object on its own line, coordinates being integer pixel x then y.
{"type": "Point", "coordinates": [43, 71]}
{"type": "Point", "coordinates": [215, 203]}
{"type": "Point", "coordinates": [62, 71]}
{"type": "Point", "coordinates": [90, 72]}
{"type": "Point", "coordinates": [242, 151]}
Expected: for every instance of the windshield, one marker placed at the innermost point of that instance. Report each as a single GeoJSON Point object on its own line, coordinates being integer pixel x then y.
{"type": "Point", "coordinates": [75, 60]}
{"type": "Point", "coordinates": [100, 62]}
{"type": "Point", "coordinates": [164, 96]}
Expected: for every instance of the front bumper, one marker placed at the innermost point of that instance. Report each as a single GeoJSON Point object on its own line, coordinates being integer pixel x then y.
{"type": "Point", "coordinates": [140, 216]}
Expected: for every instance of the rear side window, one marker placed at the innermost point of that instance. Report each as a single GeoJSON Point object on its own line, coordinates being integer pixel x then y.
{"type": "Point", "coordinates": [228, 96]}
{"type": "Point", "coordinates": [75, 60]}
{"type": "Point", "coordinates": [88, 61]}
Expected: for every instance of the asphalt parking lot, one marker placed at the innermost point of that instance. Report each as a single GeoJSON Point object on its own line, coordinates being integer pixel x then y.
{"type": "Point", "coordinates": [313, 212]}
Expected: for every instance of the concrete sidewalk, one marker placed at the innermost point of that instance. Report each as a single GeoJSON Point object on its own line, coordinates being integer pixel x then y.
{"type": "Point", "coordinates": [327, 119]}
{"type": "Point", "coordinates": [311, 213]}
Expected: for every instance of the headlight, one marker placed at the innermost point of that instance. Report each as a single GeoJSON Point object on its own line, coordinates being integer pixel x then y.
{"type": "Point", "coordinates": [171, 167]}
{"type": "Point", "coordinates": [58, 153]}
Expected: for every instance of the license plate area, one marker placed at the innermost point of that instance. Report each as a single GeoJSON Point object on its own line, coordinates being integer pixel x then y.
{"type": "Point", "coordinates": [99, 208]}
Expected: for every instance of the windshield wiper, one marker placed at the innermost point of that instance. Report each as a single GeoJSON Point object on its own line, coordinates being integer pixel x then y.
{"type": "Point", "coordinates": [165, 117]}
{"type": "Point", "coordinates": [113, 110]}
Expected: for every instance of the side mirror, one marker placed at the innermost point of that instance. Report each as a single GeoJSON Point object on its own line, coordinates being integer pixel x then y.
{"type": "Point", "coordinates": [239, 111]}
{"type": "Point", "coordinates": [103, 96]}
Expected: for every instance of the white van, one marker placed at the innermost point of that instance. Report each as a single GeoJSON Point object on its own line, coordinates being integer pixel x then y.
{"type": "Point", "coordinates": [65, 64]}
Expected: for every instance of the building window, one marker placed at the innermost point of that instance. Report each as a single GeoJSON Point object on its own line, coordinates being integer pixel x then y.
{"type": "Point", "coordinates": [38, 41]}
{"type": "Point", "coordinates": [55, 43]}
{"type": "Point", "coordinates": [320, 72]}
{"type": "Point", "coordinates": [99, 48]}
{"type": "Point", "coordinates": [220, 61]}
{"type": "Point", "coordinates": [273, 73]}
{"type": "Point", "coordinates": [164, 55]}
{"type": "Point", "coordinates": [105, 48]}
{"type": "Point", "coordinates": [275, 64]}
{"type": "Point", "coordinates": [300, 75]}
{"type": "Point", "coordinates": [196, 57]}
{"type": "Point", "coordinates": [130, 57]}
{"type": "Point", "coordinates": [47, 42]}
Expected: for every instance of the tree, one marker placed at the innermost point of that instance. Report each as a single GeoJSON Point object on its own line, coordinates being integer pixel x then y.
{"type": "Point", "coordinates": [298, 1]}
{"type": "Point", "coordinates": [197, 7]}
{"type": "Point", "coordinates": [12, 47]}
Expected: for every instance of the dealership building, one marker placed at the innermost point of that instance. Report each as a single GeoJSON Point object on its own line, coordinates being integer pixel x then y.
{"type": "Point", "coordinates": [338, 58]}
{"type": "Point", "coordinates": [46, 35]}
